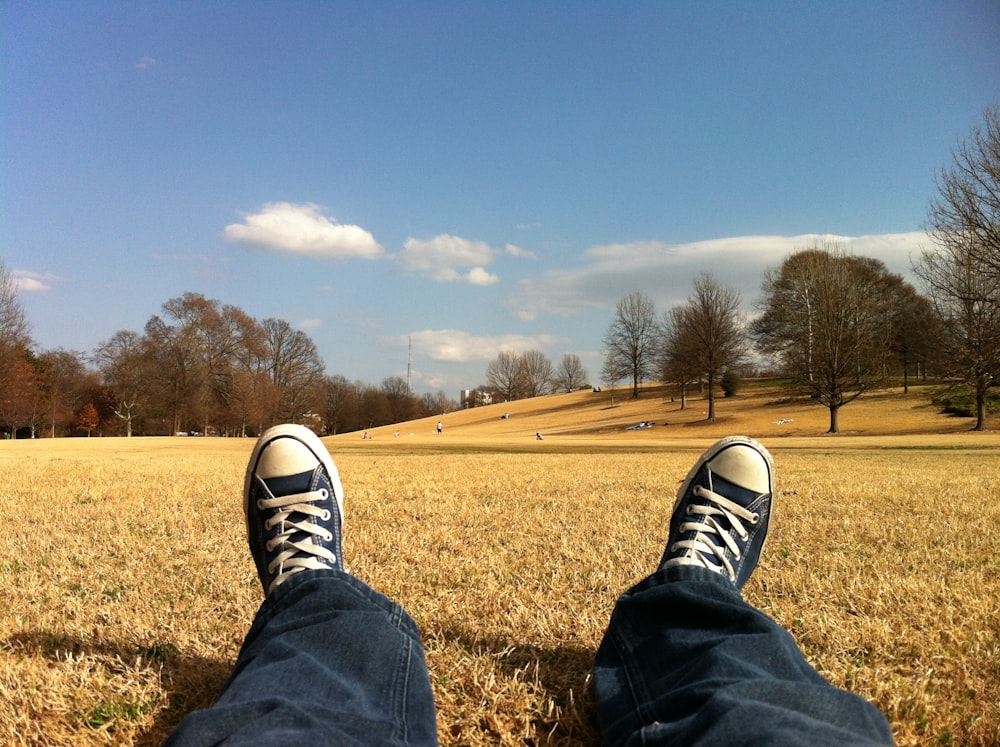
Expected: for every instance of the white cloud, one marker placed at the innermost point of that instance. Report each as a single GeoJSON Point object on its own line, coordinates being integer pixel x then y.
{"type": "Point", "coordinates": [665, 271]}
{"type": "Point", "coordinates": [479, 276]}
{"type": "Point", "coordinates": [26, 281]}
{"type": "Point", "coordinates": [516, 251]}
{"type": "Point", "coordinates": [146, 62]}
{"type": "Point", "coordinates": [310, 324]}
{"type": "Point", "coordinates": [455, 346]}
{"type": "Point", "coordinates": [303, 229]}
{"type": "Point", "coordinates": [443, 257]}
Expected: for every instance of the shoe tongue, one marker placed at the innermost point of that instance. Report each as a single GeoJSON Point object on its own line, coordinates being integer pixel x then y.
{"type": "Point", "coordinates": [289, 484]}
{"type": "Point", "coordinates": [730, 490]}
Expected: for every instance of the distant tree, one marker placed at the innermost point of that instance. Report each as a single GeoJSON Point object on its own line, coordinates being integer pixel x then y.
{"type": "Point", "coordinates": [631, 338]}
{"type": "Point", "coordinates": [675, 351]}
{"type": "Point", "coordinates": [503, 374]}
{"type": "Point", "coordinates": [296, 369]}
{"type": "Point", "coordinates": [614, 370]}
{"type": "Point", "coordinates": [713, 331]}
{"type": "Point", "coordinates": [964, 217]}
{"type": "Point", "coordinates": [966, 298]}
{"type": "Point", "coordinates": [570, 374]}
{"type": "Point", "coordinates": [88, 418]}
{"type": "Point", "coordinates": [62, 377]}
{"type": "Point", "coordinates": [961, 274]}
{"type": "Point", "coordinates": [821, 316]}
{"type": "Point", "coordinates": [402, 404]}
{"type": "Point", "coordinates": [535, 373]}
{"type": "Point", "coordinates": [437, 403]}
{"type": "Point", "coordinates": [124, 365]}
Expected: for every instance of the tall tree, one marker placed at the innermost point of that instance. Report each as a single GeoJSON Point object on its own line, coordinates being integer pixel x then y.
{"type": "Point", "coordinates": [503, 374]}
{"type": "Point", "coordinates": [535, 373]}
{"type": "Point", "coordinates": [964, 217]}
{"type": "Point", "coordinates": [631, 338]}
{"type": "Point", "coordinates": [677, 361]}
{"type": "Point", "coordinates": [821, 314]}
{"type": "Point", "coordinates": [961, 274]}
{"type": "Point", "coordinates": [123, 362]}
{"type": "Point", "coordinates": [296, 369]}
{"type": "Point", "coordinates": [713, 330]}
{"type": "Point", "coordinates": [570, 374]}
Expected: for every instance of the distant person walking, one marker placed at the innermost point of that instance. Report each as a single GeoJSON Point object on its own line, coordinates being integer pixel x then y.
{"type": "Point", "coordinates": [440, 427]}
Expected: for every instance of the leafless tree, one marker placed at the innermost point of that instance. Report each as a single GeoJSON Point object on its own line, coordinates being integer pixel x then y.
{"type": "Point", "coordinates": [964, 218]}
{"type": "Point", "coordinates": [503, 374]}
{"type": "Point", "coordinates": [709, 333]}
{"type": "Point", "coordinates": [123, 364]}
{"type": "Point", "coordinates": [820, 318]}
{"type": "Point", "coordinates": [536, 373]}
{"type": "Point", "coordinates": [961, 274]}
{"type": "Point", "coordinates": [630, 341]}
{"type": "Point", "coordinates": [570, 375]}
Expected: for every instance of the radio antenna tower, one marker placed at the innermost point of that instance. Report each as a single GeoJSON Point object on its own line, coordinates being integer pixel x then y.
{"type": "Point", "coordinates": [409, 362]}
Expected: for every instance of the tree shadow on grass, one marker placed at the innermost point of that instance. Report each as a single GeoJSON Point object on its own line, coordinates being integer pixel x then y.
{"type": "Point", "coordinates": [188, 682]}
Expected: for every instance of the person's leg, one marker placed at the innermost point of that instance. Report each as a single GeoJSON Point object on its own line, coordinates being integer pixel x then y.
{"type": "Point", "coordinates": [328, 660]}
{"type": "Point", "coordinates": [687, 661]}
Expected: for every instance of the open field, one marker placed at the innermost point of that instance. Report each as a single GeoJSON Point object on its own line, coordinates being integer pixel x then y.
{"type": "Point", "coordinates": [127, 587]}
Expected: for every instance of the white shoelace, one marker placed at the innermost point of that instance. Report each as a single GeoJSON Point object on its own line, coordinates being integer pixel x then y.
{"type": "Point", "coordinates": [304, 554]}
{"type": "Point", "coordinates": [700, 549]}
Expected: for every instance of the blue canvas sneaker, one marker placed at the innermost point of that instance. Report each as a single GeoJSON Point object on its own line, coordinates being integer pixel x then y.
{"type": "Point", "coordinates": [294, 505]}
{"type": "Point", "coordinates": [722, 510]}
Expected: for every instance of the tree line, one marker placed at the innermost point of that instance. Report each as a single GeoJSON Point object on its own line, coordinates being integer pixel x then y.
{"type": "Point", "coordinates": [199, 367]}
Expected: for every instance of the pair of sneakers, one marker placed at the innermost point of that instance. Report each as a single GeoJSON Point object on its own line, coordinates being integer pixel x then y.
{"type": "Point", "coordinates": [294, 506]}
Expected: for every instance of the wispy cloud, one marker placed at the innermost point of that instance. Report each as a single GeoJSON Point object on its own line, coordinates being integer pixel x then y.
{"type": "Point", "coordinates": [303, 229]}
{"type": "Point", "coordinates": [310, 324]}
{"type": "Point", "coordinates": [26, 281]}
{"type": "Point", "coordinates": [665, 271]}
{"type": "Point", "coordinates": [456, 346]}
{"type": "Point", "coordinates": [146, 62]}
{"type": "Point", "coordinates": [447, 258]}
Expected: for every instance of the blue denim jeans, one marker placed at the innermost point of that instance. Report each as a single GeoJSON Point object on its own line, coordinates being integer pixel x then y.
{"type": "Point", "coordinates": [684, 661]}
{"type": "Point", "coordinates": [687, 661]}
{"type": "Point", "coordinates": [328, 660]}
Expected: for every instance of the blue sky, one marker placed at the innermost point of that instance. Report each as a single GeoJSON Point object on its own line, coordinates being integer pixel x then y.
{"type": "Point", "coordinates": [472, 176]}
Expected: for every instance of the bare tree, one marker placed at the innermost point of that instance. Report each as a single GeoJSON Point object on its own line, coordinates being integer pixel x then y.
{"type": "Point", "coordinates": [961, 275]}
{"type": "Point", "coordinates": [821, 314]}
{"type": "Point", "coordinates": [964, 218]}
{"type": "Point", "coordinates": [122, 361]}
{"type": "Point", "coordinates": [570, 375]}
{"type": "Point", "coordinates": [712, 331]}
{"type": "Point", "coordinates": [503, 374]}
{"type": "Point", "coordinates": [631, 338]}
{"type": "Point", "coordinates": [535, 373]}
{"type": "Point", "coordinates": [967, 301]}
{"type": "Point", "coordinates": [402, 403]}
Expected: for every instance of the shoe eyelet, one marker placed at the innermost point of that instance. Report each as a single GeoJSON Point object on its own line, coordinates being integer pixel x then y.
{"type": "Point", "coordinates": [260, 504]}
{"type": "Point", "coordinates": [324, 493]}
{"type": "Point", "coordinates": [325, 516]}
{"type": "Point", "coordinates": [329, 536]}
{"type": "Point", "coordinates": [755, 519]}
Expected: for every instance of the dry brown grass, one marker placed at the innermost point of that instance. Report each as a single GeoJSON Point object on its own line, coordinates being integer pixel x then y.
{"type": "Point", "coordinates": [127, 587]}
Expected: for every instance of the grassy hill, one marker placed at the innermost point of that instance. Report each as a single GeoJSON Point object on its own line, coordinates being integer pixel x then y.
{"type": "Point", "coordinates": [587, 420]}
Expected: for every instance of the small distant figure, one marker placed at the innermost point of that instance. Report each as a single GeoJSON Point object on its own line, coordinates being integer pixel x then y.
{"type": "Point", "coordinates": [365, 436]}
{"type": "Point", "coordinates": [440, 427]}
{"type": "Point", "coordinates": [538, 436]}
{"type": "Point", "coordinates": [397, 434]}
{"type": "Point", "coordinates": [505, 416]}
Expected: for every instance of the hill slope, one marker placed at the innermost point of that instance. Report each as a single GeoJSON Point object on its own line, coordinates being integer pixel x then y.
{"type": "Point", "coordinates": [762, 410]}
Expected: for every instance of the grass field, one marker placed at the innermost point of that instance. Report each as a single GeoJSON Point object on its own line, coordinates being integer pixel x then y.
{"type": "Point", "coordinates": [127, 587]}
